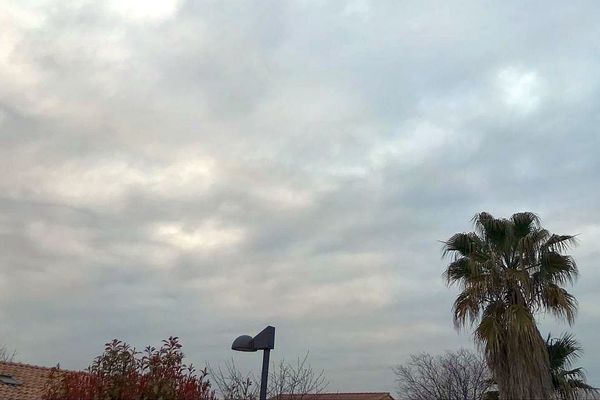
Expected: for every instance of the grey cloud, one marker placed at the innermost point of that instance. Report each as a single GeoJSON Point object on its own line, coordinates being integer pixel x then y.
{"type": "Point", "coordinates": [217, 167]}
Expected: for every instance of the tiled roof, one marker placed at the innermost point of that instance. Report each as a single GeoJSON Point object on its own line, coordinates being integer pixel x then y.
{"type": "Point", "coordinates": [32, 380]}
{"type": "Point", "coordinates": [336, 396]}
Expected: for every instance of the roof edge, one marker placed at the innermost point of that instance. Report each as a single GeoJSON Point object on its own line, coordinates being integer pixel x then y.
{"type": "Point", "coordinates": [23, 365]}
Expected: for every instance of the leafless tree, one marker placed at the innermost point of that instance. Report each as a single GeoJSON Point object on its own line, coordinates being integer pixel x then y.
{"type": "Point", "coordinates": [233, 384]}
{"type": "Point", "coordinates": [297, 378]}
{"type": "Point", "coordinates": [458, 375]}
{"type": "Point", "coordinates": [6, 355]}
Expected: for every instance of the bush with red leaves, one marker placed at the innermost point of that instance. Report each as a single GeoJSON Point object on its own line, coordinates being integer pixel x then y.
{"type": "Point", "coordinates": [122, 373]}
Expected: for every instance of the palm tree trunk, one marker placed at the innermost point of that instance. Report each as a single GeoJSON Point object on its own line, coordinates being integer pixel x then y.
{"type": "Point", "coordinates": [523, 372]}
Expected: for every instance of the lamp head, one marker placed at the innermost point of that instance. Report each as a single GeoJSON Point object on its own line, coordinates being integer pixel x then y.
{"type": "Point", "coordinates": [243, 343]}
{"type": "Point", "coordinates": [265, 340]}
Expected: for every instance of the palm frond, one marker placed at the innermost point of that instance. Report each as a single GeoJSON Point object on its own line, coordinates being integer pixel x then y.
{"type": "Point", "coordinates": [459, 270]}
{"type": "Point", "coordinates": [532, 242]}
{"type": "Point", "coordinates": [580, 384]}
{"type": "Point", "coordinates": [559, 302]}
{"type": "Point", "coordinates": [490, 335]}
{"type": "Point", "coordinates": [575, 373]}
{"type": "Point", "coordinates": [557, 268]}
{"type": "Point", "coordinates": [466, 307]}
{"type": "Point", "coordinates": [560, 243]}
{"type": "Point", "coordinates": [563, 351]}
{"type": "Point", "coordinates": [462, 245]}
{"type": "Point", "coordinates": [494, 230]}
{"type": "Point", "coordinates": [524, 223]}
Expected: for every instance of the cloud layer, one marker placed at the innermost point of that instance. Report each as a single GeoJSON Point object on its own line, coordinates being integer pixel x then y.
{"type": "Point", "coordinates": [204, 168]}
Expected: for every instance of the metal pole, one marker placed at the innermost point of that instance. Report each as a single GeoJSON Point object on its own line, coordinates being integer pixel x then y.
{"type": "Point", "coordinates": [264, 375]}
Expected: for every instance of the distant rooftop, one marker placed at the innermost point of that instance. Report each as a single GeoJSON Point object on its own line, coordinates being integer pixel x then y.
{"type": "Point", "coordinates": [336, 396]}
{"type": "Point", "coordinates": [22, 381]}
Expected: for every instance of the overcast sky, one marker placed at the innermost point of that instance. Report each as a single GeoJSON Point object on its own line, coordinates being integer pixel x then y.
{"type": "Point", "coordinates": [205, 168]}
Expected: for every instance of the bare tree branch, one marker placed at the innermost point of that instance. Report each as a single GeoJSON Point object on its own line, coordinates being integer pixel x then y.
{"type": "Point", "coordinates": [6, 355]}
{"type": "Point", "coordinates": [232, 384]}
{"type": "Point", "coordinates": [297, 378]}
{"type": "Point", "coordinates": [459, 375]}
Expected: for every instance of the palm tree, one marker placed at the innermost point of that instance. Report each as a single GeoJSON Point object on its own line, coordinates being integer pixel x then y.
{"type": "Point", "coordinates": [567, 383]}
{"type": "Point", "coordinates": [508, 270]}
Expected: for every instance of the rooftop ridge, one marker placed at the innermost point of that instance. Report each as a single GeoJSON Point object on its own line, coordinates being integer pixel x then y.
{"type": "Point", "coordinates": [20, 364]}
{"type": "Point", "coordinates": [373, 395]}
{"type": "Point", "coordinates": [338, 392]}
{"type": "Point", "coordinates": [32, 366]}
{"type": "Point", "coordinates": [304, 394]}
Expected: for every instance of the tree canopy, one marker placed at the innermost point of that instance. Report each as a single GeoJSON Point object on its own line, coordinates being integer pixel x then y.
{"type": "Point", "coordinates": [122, 373]}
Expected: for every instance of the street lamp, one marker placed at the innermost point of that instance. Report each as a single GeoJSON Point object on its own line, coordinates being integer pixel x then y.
{"type": "Point", "coordinates": [265, 341]}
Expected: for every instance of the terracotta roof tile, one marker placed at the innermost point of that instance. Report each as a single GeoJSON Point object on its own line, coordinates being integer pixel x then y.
{"type": "Point", "coordinates": [31, 378]}
{"type": "Point", "coordinates": [336, 396]}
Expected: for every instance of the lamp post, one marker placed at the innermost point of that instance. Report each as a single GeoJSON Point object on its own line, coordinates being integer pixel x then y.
{"type": "Point", "coordinates": [265, 341]}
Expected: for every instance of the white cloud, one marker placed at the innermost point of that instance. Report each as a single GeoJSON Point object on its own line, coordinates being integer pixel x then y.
{"type": "Point", "coordinates": [208, 236]}
{"type": "Point", "coordinates": [103, 182]}
{"type": "Point", "coordinates": [145, 10]}
{"type": "Point", "coordinates": [413, 142]}
{"type": "Point", "coordinates": [19, 77]}
{"type": "Point", "coordinates": [520, 89]}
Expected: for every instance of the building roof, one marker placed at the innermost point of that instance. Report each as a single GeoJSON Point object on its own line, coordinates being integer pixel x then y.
{"type": "Point", "coordinates": [30, 380]}
{"type": "Point", "coordinates": [336, 396]}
